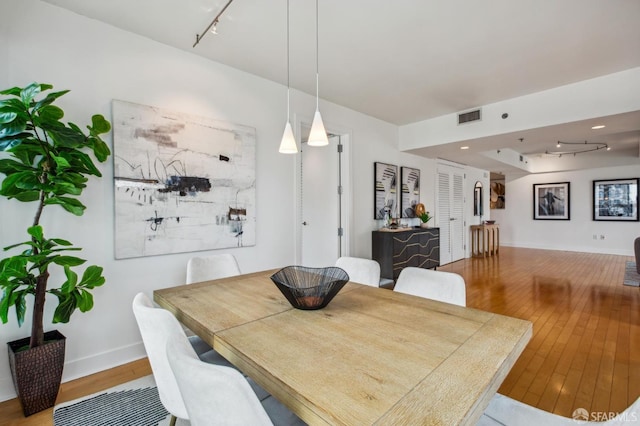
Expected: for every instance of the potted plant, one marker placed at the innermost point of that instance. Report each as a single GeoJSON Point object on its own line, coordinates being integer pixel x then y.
{"type": "Point", "coordinates": [45, 163]}
{"type": "Point", "coordinates": [425, 217]}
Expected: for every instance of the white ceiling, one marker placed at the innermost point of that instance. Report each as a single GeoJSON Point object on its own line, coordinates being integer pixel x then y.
{"type": "Point", "coordinates": [410, 60]}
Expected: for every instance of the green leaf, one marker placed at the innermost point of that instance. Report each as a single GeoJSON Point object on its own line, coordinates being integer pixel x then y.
{"type": "Point", "coordinates": [67, 261]}
{"type": "Point", "coordinates": [49, 99]}
{"type": "Point", "coordinates": [84, 162]}
{"type": "Point", "coordinates": [65, 137]}
{"type": "Point", "coordinates": [99, 125]}
{"type": "Point", "coordinates": [10, 142]}
{"type": "Point", "coordinates": [92, 277]}
{"type": "Point", "coordinates": [67, 304]}
{"type": "Point", "coordinates": [70, 284]}
{"type": "Point", "coordinates": [7, 117]}
{"type": "Point", "coordinates": [28, 93]}
{"type": "Point", "coordinates": [36, 232]}
{"type": "Point", "coordinates": [84, 300]}
{"type": "Point", "coordinates": [21, 306]}
{"type": "Point", "coordinates": [13, 128]}
{"type": "Point", "coordinates": [100, 149]}
{"type": "Point", "coordinates": [69, 204]}
{"type": "Point", "coordinates": [14, 91]}
{"type": "Point", "coordinates": [13, 267]}
{"type": "Point", "coordinates": [51, 113]}
{"type": "Point", "coordinates": [27, 196]}
{"type": "Point", "coordinates": [61, 162]}
{"type": "Point", "coordinates": [8, 166]}
{"type": "Point", "coordinates": [61, 242]}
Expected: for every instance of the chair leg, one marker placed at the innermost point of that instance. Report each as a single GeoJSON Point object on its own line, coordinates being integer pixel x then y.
{"type": "Point", "coordinates": [172, 422]}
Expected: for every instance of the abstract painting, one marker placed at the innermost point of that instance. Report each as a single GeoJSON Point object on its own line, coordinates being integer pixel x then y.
{"type": "Point", "coordinates": [182, 183]}
{"type": "Point", "coordinates": [384, 190]}
{"type": "Point", "coordinates": [410, 195]}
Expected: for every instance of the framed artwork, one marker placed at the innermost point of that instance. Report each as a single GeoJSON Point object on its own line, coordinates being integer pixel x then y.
{"type": "Point", "coordinates": [615, 199]}
{"type": "Point", "coordinates": [497, 194]}
{"type": "Point", "coordinates": [410, 195]}
{"type": "Point", "coordinates": [551, 201]}
{"type": "Point", "coordinates": [182, 182]}
{"type": "Point", "coordinates": [384, 190]}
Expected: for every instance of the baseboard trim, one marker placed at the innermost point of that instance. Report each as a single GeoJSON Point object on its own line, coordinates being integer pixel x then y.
{"type": "Point", "coordinates": [580, 249]}
{"type": "Point", "coordinates": [82, 367]}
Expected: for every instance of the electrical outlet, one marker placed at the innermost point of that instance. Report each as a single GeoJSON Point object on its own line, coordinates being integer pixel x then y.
{"type": "Point", "coordinates": [595, 237]}
{"type": "Point", "coordinates": [602, 237]}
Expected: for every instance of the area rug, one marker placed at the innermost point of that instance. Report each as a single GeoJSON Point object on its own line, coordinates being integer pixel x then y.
{"type": "Point", "coordinates": [134, 403]}
{"type": "Point", "coordinates": [631, 276]}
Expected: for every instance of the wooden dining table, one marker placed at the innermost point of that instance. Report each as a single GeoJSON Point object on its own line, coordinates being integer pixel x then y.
{"type": "Point", "coordinates": [372, 356]}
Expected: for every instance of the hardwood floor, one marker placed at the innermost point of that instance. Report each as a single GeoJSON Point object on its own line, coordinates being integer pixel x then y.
{"type": "Point", "coordinates": [11, 411]}
{"type": "Point", "coordinates": [585, 350]}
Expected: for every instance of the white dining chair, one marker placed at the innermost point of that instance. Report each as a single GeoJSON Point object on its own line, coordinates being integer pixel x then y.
{"type": "Point", "coordinates": [216, 395]}
{"type": "Point", "coordinates": [436, 285]}
{"type": "Point", "coordinates": [156, 325]}
{"type": "Point", "coordinates": [362, 271]}
{"type": "Point", "coordinates": [204, 268]}
{"type": "Point", "coordinates": [506, 411]}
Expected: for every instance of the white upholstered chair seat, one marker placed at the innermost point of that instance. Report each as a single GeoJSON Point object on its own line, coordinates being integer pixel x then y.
{"type": "Point", "coordinates": [436, 285]}
{"type": "Point", "coordinates": [216, 395]}
{"type": "Point", "coordinates": [362, 271]}
{"type": "Point", "coordinates": [506, 411]}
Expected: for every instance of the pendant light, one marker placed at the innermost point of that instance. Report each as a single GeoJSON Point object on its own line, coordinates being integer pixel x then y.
{"type": "Point", "coordinates": [318, 135]}
{"type": "Point", "coordinates": [288, 143]}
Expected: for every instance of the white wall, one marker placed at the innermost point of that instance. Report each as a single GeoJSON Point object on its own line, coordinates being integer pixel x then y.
{"type": "Point", "coordinates": [517, 227]}
{"type": "Point", "coordinates": [43, 43]}
{"type": "Point", "coordinates": [607, 95]}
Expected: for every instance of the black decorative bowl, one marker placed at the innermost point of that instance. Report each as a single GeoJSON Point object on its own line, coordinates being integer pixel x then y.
{"type": "Point", "coordinates": [309, 288]}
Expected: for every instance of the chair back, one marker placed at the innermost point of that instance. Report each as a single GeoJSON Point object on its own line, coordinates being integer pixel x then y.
{"type": "Point", "coordinates": [362, 271]}
{"type": "Point", "coordinates": [213, 395]}
{"type": "Point", "coordinates": [437, 285]}
{"type": "Point", "coordinates": [156, 325]}
{"type": "Point", "coordinates": [204, 268]}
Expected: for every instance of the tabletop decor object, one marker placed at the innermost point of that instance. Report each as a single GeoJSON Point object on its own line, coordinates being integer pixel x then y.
{"type": "Point", "coordinates": [310, 288]}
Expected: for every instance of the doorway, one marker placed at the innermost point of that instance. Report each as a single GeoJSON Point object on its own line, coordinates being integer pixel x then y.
{"type": "Point", "coordinates": [323, 202]}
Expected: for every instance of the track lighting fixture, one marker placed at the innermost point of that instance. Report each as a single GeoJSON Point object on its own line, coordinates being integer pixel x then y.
{"type": "Point", "coordinates": [587, 147]}
{"type": "Point", "coordinates": [213, 25]}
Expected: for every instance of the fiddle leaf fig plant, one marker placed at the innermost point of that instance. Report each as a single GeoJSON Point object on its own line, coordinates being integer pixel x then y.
{"type": "Point", "coordinates": [46, 162]}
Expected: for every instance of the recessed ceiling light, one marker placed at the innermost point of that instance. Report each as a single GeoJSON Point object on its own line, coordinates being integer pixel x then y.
{"type": "Point", "coordinates": [599, 126]}
{"type": "Point", "coordinates": [464, 147]}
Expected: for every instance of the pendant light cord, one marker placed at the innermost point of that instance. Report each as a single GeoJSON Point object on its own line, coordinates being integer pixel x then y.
{"type": "Point", "coordinates": [317, 54]}
{"type": "Point", "coordinates": [288, 113]}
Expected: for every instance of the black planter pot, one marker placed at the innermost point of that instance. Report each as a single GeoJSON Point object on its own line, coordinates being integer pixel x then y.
{"type": "Point", "coordinates": [37, 372]}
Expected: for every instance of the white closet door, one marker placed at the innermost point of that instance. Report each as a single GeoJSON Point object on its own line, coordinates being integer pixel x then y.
{"type": "Point", "coordinates": [450, 214]}
{"type": "Point", "coordinates": [442, 216]}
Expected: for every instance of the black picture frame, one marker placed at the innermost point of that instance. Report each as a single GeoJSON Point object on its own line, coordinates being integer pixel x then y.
{"type": "Point", "coordinates": [410, 191]}
{"type": "Point", "coordinates": [616, 200]}
{"type": "Point", "coordinates": [385, 180]}
{"type": "Point", "coordinates": [552, 201]}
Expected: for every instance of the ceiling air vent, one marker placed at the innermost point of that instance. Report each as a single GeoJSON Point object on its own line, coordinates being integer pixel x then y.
{"type": "Point", "coordinates": [469, 116]}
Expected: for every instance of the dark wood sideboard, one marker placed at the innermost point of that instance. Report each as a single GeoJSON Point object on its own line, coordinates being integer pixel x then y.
{"type": "Point", "coordinates": [394, 250]}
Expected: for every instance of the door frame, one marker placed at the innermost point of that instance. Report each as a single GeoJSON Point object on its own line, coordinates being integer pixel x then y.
{"type": "Point", "coordinates": [347, 194]}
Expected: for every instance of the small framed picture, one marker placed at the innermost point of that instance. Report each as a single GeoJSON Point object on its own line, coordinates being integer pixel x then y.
{"type": "Point", "coordinates": [384, 190]}
{"type": "Point", "coordinates": [615, 199]}
{"type": "Point", "coordinates": [551, 201]}
{"type": "Point", "coordinates": [410, 195]}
